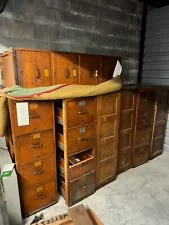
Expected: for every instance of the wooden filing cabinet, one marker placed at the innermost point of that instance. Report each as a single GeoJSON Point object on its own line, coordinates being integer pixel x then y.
{"type": "Point", "coordinates": [126, 129]}
{"type": "Point", "coordinates": [27, 68]}
{"type": "Point", "coordinates": [108, 114]}
{"type": "Point", "coordinates": [160, 122]}
{"type": "Point", "coordinates": [145, 110]}
{"type": "Point", "coordinates": [33, 149]}
{"type": "Point", "coordinates": [76, 147]}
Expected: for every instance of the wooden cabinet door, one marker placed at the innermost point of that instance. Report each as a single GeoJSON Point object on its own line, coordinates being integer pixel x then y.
{"type": "Point", "coordinates": [108, 125]}
{"type": "Point", "coordinates": [65, 68]}
{"type": "Point", "coordinates": [90, 69]}
{"type": "Point", "coordinates": [108, 66]}
{"type": "Point", "coordinates": [34, 68]}
{"type": "Point", "coordinates": [126, 134]}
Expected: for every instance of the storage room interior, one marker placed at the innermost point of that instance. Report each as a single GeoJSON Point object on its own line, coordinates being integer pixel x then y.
{"type": "Point", "coordinates": [84, 103]}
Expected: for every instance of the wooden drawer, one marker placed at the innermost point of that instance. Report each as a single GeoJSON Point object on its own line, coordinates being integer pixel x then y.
{"type": "Point", "coordinates": [124, 160]}
{"type": "Point", "coordinates": [34, 145]}
{"type": "Point", "coordinates": [81, 188]}
{"type": "Point", "coordinates": [126, 120]}
{"type": "Point", "coordinates": [157, 147]}
{"type": "Point", "coordinates": [143, 137]}
{"type": "Point", "coordinates": [108, 126]}
{"type": "Point", "coordinates": [147, 101]}
{"type": "Point", "coordinates": [78, 139]}
{"type": "Point", "coordinates": [141, 155]}
{"type": "Point", "coordinates": [128, 100]}
{"type": "Point", "coordinates": [160, 129]}
{"type": "Point", "coordinates": [125, 139]}
{"type": "Point", "coordinates": [38, 197]}
{"type": "Point", "coordinates": [144, 120]}
{"type": "Point", "coordinates": [161, 112]}
{"type": "Point", "coordinates": [36, 172]}
{"type": "Point", "coordinates": [107, 170]}
{"type": "Point", "coordinates": [107, 148]}
{"type": "Point", "coordinates": [40, 117]}
{"type": "Point", "coordinates": [79, 164]}
{"type": "Point", "coordinates": [109, 104]}
{"type": "Point", "coordinates": [81, 111]}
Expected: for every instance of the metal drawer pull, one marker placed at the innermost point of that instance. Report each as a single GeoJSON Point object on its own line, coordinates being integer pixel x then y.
{"type": "Point", "coordinates": [38, 172]}
{"type": "Point", "coordinates": [40, 197]}
{"type": "Point", "coordinates": [34, 116]}
{"type": "Point", "coordinates": [37, 71]}
{"type": "Point", "coordinates": [83, 139]}
{"type": "Point", "coordinates": [144, 121]}
{"type": "Point", "coordinates": [143, 138]}
{"type": "Point", "coordinates": [82, 112]}
{"type": "Point", "coordinates": [36, 145]}
{"type": "Point", "coordinates": [84, 186]}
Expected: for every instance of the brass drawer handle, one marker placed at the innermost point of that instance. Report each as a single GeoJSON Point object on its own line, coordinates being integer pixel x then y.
{"type": "Point", "coordinates": [37, 71]}
{"type": "Point", "coordinates": [38, 172]}
{"type": "Point", "coordinates": [83, 139]}
{"type": "Point", "coordinates": [34, 116]}
{"type": "Point", "coordinates": [36, 145]}
{"type": "Point", "coordinates": [142, 138]}
{"type": "Point", "coordinates": [40, 197]}
{"type": "Point", "coordinates": [84, 186]}
{"type": "Point", "coordinates": [144, 121]}
{"type": "Point", "coordinates": [82, 112]}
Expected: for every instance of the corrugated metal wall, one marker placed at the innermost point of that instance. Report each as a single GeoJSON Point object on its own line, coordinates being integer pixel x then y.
{"type": "Point", "coordinates": [156, 53]}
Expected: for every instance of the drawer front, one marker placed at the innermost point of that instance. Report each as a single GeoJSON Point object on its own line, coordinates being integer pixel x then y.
{"type": "Point", "coordinates": [38, 197]}
{"type": "Point", "coordinates": [107, 170]}
{"type": "Point", "coordinates": [157, 148]}
{"type": "Point", "coordinates": [127, 100]}
{"type": "Point", "coordinates": [141, 155]}
{"type": "Point", "coordinates": [126, 120]}
{"type": "Point", "coordinates": [144, 120]}
{"type": "Point", "coordinates": [32, 146]}
{"type": "Point", "coordinates": [82, 188]}
{"type": "Point", "coordinates": [109, 104]}
{"type": "Point", "coordinates": [107, 148]}
{"type": "Point", "coordinates": [147, 101]}
{"type": "Point", "coordinates": [40, 117]}
{"type": "Point", "coordinates": [143, 137]}
{"type": "Point", "coordinates": [161, 112]}
{"type": "Point", "coordinates": [81, 111]}
{"type": "Point", "coordinates": [124, 161]}
{"type": "Point", "coordinates": [36, 172]}
{"type": "Point", "coordinates": [81, 169]}
{"type": "Point", "coordinates": [81, 138]}
{"type": "Point", "coordinates": [125, 139]}
{"type": "Point", "coordinates": [108, 126]}
{"type": "Point", "coordinates": [160, 129]}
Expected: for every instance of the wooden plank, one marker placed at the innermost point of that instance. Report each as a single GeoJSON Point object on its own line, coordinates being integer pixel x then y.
{"type": "Point", "coordinates": [80, 216]}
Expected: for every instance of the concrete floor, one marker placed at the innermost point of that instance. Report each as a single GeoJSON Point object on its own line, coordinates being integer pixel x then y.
{"type": "Point", "coordinates": [139, 196]}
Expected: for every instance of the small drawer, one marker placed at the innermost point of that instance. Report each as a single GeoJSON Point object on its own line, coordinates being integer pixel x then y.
{"type": "Point", "coordinates": [157, 148]}
{"type": "Point", "coordinates": [141, 155]}
{"type": "Point", "coordinates": [38, 144]}
{"type": "Point", "coordinates": [38, 197]}
{"type": "Point", "coordinates": [143, 137]}
{"type": "Point", "coordinates": [124, 161]}
{"type": "Point", "coordinates": [36, 172]}
{"type": "Point", "coordinates": [81, 188]}
{"type": "Point", "coordinates": [144, 120]}
{"type": "Point", "coordinates": [147, 101]}
{"type": "Point", "coordinates": [40, 116]}
{"type": "Point", "coordinates": [79, 139]}
{"type": "Point", "coordinates": [80, 111]}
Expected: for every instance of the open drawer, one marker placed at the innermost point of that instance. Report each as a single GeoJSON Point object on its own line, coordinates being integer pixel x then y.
{"type": "Point", "coordinates": [79, 164]}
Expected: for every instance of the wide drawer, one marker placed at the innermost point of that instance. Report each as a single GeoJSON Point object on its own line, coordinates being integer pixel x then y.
{"type": "Point", "coordinates": [80, 111]}
{"type": "Point", "coordinates": [34, 145]}
{"type": "Point", "coordinates": [40, 116]}
{"type": "Point", "coordinates": [38, 197]}
{"type": "Point", "coordinates": [37, 171]}
{"type": "Point", "coordinates": [82, 188]}
{"type": "Point", "coordinates": [141, 155]}
{"type": "Point", "coordinates": [143, 137]}
{"type": "Point", "coordinates": [78, 139]}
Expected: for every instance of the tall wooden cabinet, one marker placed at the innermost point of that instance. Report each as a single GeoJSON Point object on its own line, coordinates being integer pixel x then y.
{"type": "Point", "coordinates": [76, 147]}
{"type": "Point", "coordinates": [108, 114]}
{"type": "Point", "coordinates": [145, 110]}
{"type": "Point", "coordinates": [126, 129]}
{"type": "Point", "coordinates": [160, 122]}
{"type": "Point", "coordinates": [31, 140]}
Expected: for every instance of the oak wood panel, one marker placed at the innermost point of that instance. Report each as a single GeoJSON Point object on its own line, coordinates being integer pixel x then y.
{"type": "Point", "coordinates": [141, 155]}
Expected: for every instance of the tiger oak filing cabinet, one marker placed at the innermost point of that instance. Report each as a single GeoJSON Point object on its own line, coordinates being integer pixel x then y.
{"type": "Point", "coordinates": [145, 110]}
{"type": "Point", "coordinates": [126, 129]}
{"type": "Point", "coordinates": [76, 147]}
{"type": "Point", "coordinates": [33, 149]}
